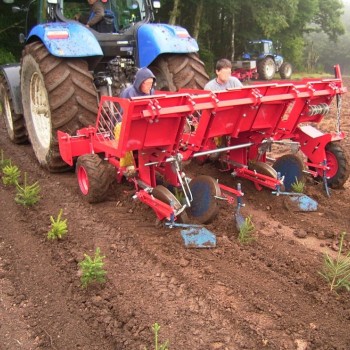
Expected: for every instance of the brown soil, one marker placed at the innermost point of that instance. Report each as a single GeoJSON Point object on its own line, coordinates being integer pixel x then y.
{"type": "Point", "coordinates": [264, 295]}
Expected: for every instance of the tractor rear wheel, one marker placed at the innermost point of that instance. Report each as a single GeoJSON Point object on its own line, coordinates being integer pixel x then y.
{"type": "Point", "coordinates": [177, 71]}
{"type": "Point", "coordinates": [338, 163]}
{"type": "Point", "coordinates": [57, 94]}
{"type": "Point", "coordinates": [266, 69]}
{"type": "Point", "coordinates": [286, 70]}
{"type": "Point", "coordinates": [95, 177]}
{"type": "Point", "coordinates": [14, 122]}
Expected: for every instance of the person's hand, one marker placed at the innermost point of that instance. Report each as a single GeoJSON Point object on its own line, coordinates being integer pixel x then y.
{"type": "Point", "coordinates": [87, 25]}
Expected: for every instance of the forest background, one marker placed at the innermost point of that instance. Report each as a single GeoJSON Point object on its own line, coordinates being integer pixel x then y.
{"type": "Point", "coordinates": [313, 34]}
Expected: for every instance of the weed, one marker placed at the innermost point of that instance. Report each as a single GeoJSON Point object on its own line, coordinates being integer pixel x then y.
{"type": "Point", "coordinates": [3, 162]}
{"type": "Point", "coordinates": [92, 269]}
{"type": "Point", "coordinates": [164, 346]}
{"type": "Point", "coordinates": [337, 271]}
{"type": "Point", "coordinates": [58, 227]}
{"type": "Point", "coordinates": [11, 174]}
{"type": "Point", "coordinates": [246, 230]}
{"type": "Point", "coordinates": [298, 186]}
{"type": "Point", "coordinates": [27, 195]}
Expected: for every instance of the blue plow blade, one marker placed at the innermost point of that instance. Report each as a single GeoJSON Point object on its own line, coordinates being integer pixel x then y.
{"type": "Point", "coordinates": [304, 203]}
{"type": "Point", "coordinates": [195, 237]}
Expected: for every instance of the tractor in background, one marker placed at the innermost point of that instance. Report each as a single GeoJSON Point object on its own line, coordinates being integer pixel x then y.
{"type": "Point", "coordinates": [261, 61]}
{"type": "Point", "coordinates": [66, 67]}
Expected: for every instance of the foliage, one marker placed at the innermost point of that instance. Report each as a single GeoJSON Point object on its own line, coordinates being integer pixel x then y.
{"type": "Point", "coordinates": [27, 195]}
{"type": "Point", "coordinates": [298, 186]}
{"type": "Point", "coordinates": [3, 161]}
{"type": "Point", "coordinates": [223, 26]}
{"type": "Point", "coordinates": [246, 230]}
{"type": "Point", "coordinates": [92, 269]}
{"type": "Point", "coordinates": [337, 271]}
{"type": "Point", "coordinates": [11, 174]}
{"type": "Point", "coordinates": [164, 346]}
{"type": "Point", "coordinates": [58, 227]}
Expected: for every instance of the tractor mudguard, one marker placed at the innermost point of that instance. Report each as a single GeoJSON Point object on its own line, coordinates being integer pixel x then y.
{"type": "Point", "coordinates": [156, 39]}
{"type": "Point", "coordinates": [70, 39]}
{"type": "Point", "coordinates": [11, 73]}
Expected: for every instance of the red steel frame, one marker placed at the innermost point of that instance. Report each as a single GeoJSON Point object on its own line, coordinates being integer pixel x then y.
{"type": "Point", "coordinates": [155, 129]}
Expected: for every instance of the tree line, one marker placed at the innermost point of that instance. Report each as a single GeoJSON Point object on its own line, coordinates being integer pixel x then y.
{"type": "Point", "coordinates": [222, 27]}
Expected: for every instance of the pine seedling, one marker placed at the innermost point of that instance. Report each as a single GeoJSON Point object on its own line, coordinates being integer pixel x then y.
{"type": "Point", "coordinates": [337, 271]}
{"type": "Point", "coordinates": [246, 230]}
{"type": "Point", "coordinates": [298, 186]}
{"type": "Point", "coordinates": [11, 174]}
{"type": "Point", "coordinates": [58, 227]}
{"type": "Point", "coordinates": [27, 195]}
{"type": "Point", "coordinates": [157, 346]}
{"type": "Point", "coordinates": [92, 269]}
{"type": "Point", "coordinates": [3, 162]}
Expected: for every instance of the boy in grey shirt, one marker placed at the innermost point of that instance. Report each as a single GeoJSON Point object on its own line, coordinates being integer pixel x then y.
{"type": "Point", "coordinates": [223, 80]}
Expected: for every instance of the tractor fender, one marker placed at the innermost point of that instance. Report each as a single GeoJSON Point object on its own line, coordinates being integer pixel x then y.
{"type": "Point", "coordinates": [11, 72]}
{"type": "Point", "coordinates": [155, 39]}
{"type": "Point", "coordinates": [70, 39]}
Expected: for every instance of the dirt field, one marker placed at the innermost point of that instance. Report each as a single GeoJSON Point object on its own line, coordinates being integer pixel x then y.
{"type": "Point", "coordinates": [264, 295]}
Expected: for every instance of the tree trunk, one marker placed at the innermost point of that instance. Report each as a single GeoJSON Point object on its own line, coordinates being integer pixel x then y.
{"type": "Point", "coordinates": [197, 19]}
{"type": "Point", "coordinates": [175, 12]}
{"type": "Point", "coordinates": [233, 39]}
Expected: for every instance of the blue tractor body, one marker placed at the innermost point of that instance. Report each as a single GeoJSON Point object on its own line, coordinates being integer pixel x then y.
{"type": "Point", "coordinates": [266, 60]}
{"type": "Point", "coordinates": [86, 62]}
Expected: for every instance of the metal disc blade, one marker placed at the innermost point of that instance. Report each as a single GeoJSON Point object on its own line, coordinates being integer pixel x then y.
{"type": "Point", "coordinates": [263, 168]}
{"type": "Point", "coordinates": [291, 167]}
{"type": "Point", "coordinates": [204, 207]}
{"type": "Point", "coordinates": [163, 194]}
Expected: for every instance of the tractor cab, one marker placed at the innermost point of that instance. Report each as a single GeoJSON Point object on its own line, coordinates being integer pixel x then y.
{"type": "Point", "coordinates": [120, 13]}
{"type": "Point", "coordinates": [260, 49]}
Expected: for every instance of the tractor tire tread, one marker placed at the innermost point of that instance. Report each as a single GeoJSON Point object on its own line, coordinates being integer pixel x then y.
{"type": "Point", "coordinates": [16, 129]}
{"type": "Point", "coordinates": [68, 82]}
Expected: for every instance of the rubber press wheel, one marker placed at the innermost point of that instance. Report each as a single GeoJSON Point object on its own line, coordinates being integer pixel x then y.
{"type": "Point", "coordinates": [163, 194]}
{"type": "Point", "coordinates": [338, 162]}
{"type": "Point", "coordinates": [204, 207]}
{"type": "Point", "coordinates": [291, 167]}
{"type": "Point", "coordinates": [95, 176]}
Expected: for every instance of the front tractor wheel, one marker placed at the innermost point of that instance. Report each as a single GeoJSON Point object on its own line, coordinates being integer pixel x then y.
{"type": "Point", "coordinates": [338, 163]}
{"type": "Point", "coordinates": [57, 94]}
{"type": "Point", "coordinates": [266, 68]}
{"type": "Point", "coordinates": [95, 177]}
{"type": "Point", "coordinates": [286, 70]}
{"type": "Point", "coordinates": [177, 71]}
{"type": "Point", "coordinates": [14, 122]}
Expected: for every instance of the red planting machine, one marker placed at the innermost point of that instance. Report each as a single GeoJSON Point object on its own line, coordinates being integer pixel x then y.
{"type": "Point", "coordinates": [147, 140]}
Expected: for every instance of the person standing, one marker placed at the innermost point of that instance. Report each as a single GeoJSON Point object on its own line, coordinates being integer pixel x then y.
{"type": "Point", "coordinates": [224, 80]}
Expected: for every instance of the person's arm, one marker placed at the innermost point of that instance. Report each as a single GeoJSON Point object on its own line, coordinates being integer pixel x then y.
{"type": "Point", "coordinates": [99, 13]}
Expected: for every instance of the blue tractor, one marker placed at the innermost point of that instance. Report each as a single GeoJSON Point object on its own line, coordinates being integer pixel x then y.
{"type": "Point", "coordinates": [268, 62]}
{"type": "Point", "coordinates": [66, 66]}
